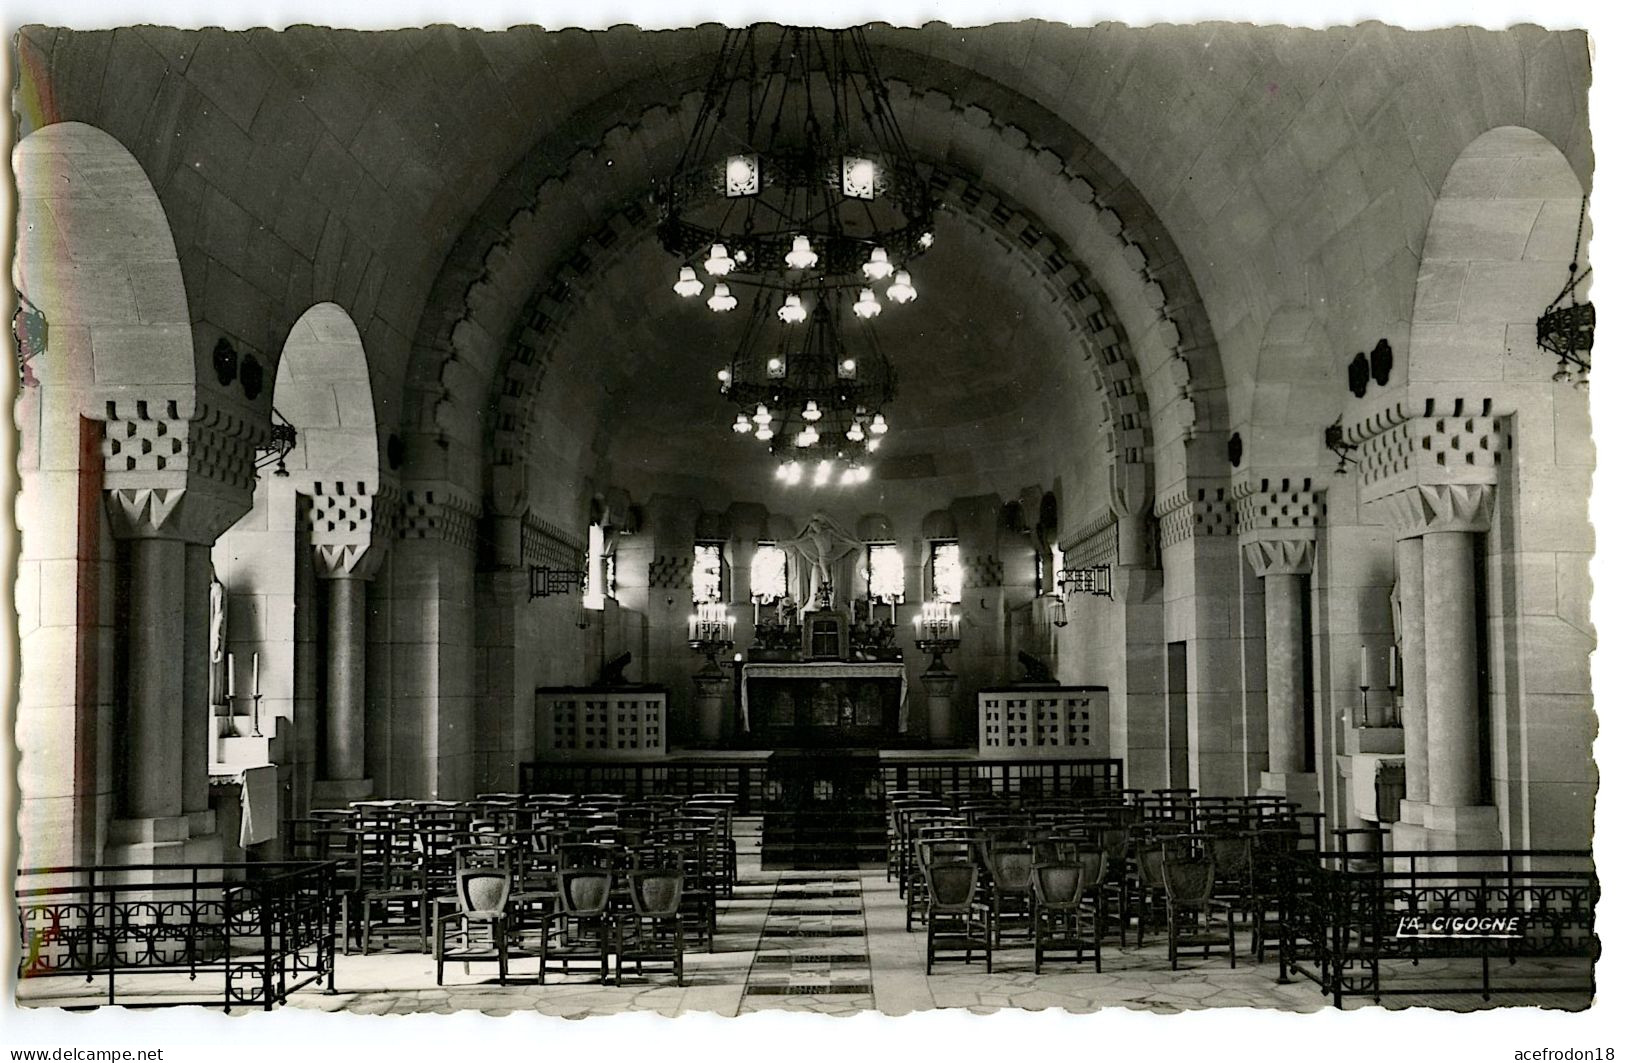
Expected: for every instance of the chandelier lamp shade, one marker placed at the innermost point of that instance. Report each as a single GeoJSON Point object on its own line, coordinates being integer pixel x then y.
{"type": "Point", "coordinates": [796, 170]}
{"type": "Point", "coordinates": [795, 183]}
{"type": "Point", "coordinates": [806, 394]}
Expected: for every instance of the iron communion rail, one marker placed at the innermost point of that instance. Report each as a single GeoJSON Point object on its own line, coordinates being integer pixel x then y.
{"type": "Point", "coordinates": [266, 929]}
{"type": "Point", "coordinates": [1444, 922]}
{"type": "Point", "coordinates": [746, 777]}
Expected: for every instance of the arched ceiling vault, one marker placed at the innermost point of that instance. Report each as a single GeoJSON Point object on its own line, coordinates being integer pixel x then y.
{"type": "Point", "coordinates": [1130, 299]}
{"type": "Point", "coordinates": [1284, 168]}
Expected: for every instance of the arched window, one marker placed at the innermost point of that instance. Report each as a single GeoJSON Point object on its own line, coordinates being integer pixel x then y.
{"type": "Point", "coordinates": [769, 574]}
{"type": "Point", "coordinates": [707, 573]}
{"type": "Point", "coordinates": [883, 573]}
{"type": "Point", "coordinates": [946, 576]}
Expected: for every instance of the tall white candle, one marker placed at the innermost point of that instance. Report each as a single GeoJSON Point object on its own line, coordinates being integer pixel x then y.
{"type": "Point", "coordinates": [231, 676]}
{"type": "Point", "coordinates": [1393, 667]}
{"type": "Point", "coordinates": [256, 673]}
{"type": "Point", "coordinates": [1365, 667]}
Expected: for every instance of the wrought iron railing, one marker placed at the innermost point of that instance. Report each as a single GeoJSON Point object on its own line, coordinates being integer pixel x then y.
{"type": "Point", "coordinates": [1036, 777]}
{"type": "Point", "coordinates": [1442, 922]}
{"type": "Point", "coordinates": [743, 777]}
{"type": "Point", "coordinates": [746, 777]}
{"type": "Point", "coordinates": [246, 935]}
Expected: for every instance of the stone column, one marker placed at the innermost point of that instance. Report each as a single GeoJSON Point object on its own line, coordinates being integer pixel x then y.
{"type": "Point", "coordinates": [197, 731]}
{"type": "Point", "coordinates": [164, 815]}
{"type": "Point", "coordinates": [346, 679]}
{"type": "Point", "coordinates": [346, 571]}
{"type": "Point", "coordinates": [1445, 518]}
{"type": "Point", "coordinates": [1283, 565]}
{"type": "Point", "coordinates": [155, 761]}
{"type": "Point", "coordinates": [1279, 518]}
{"type": "Point", "coordinates": [1410, 832]}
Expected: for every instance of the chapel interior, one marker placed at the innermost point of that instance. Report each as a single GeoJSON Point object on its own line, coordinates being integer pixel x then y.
{"type": "Point", "coordinates": [763, 518]}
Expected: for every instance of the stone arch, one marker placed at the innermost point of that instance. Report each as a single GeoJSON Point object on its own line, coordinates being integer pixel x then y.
{"type": "Point", "coordinates": [96, 255]}
{"type": "Point", "coordinates": [117, 413]}
{"type": "Point", "coordinates": [324, 389]}
{"type": "Point", "coordinates": [1295, 391]}
{"type": "Point", "coordinates": [491, 278]}
{"type": "Point", "coordinates": [1497, 252]}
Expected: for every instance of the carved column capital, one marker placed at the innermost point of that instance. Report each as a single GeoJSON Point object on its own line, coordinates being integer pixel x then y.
{"type": "Point", "coordinates": [1437, 441]}
{"type": "Point", "coordinates": [354, 560]}
{"type": "Point", "coordinates": [192, 515]}
{"type": "Point", "coordinates": [1277, 508]}
{"type": "Point", "coordinates": [176, 468]}
{"type": "Point", "coordinates": [1281, 557]}
{"type": "Point", "coordinates": [1424, 508]}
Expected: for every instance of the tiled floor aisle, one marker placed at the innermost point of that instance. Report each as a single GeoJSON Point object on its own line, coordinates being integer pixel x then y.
{"type": "Point", "coordinates": [813, 954]}
{"type": "Point", "coordinates": [830, 942]}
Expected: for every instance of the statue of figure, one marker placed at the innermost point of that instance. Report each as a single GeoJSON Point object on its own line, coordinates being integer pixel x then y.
{"type": "Point", "coordinates": [1034, 670]}
{"type": "Point", "coordinates": [612, 673]}
{"type": "Point", "coordinates": [820, 545]}
{"type": "Point", "coordinates": [217, 640]}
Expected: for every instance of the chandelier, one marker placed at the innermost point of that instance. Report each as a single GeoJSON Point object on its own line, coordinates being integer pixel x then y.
{"type": "Point", "coordinates": [795, 188]}
{"type": "Point", "coordinates": [1569, 331]}
{"type": "Point", "coordinates": [816, 403]}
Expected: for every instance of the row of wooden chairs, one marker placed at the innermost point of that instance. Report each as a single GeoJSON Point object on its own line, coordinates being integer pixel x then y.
{"type": "Point", "coordinates": [399, 861]}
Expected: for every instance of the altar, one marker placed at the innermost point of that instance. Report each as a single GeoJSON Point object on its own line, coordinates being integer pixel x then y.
{"type": "Point", "coordinates": [823, 704]}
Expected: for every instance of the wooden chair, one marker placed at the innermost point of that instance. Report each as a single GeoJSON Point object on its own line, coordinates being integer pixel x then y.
{"type": "Point", "coordinates": [581, 928]}
{"type": "Point", "coordinates": [1188, 893]}
{"type": "Point", "coordinates": [392, 892]}
{"type": "Point", "coordinates": [1068, 913]}
{"type": "Point", "coordinates": [954, 922]}
{"type": "Point", "coordinates": [655, 922]}
{"type": "Point", "coordinates": [481, 919]}
{"type": "Point", "coordinates": [1009, 870]}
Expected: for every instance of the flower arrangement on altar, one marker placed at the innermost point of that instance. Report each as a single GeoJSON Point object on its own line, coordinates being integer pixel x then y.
{"type": "Point", "coordinates": [875, 639]}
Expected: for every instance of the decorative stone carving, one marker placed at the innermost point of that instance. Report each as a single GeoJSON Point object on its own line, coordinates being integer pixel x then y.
{"type": "Point", "coordinates": [1446, 441]}
{"type": "Point", "coordinates": [1095, 543]}
{"type": "Point", "coordinates": [356, 560]}
{"type": "Point", "coordinates": [1428, 508]}
{"type": "Point", "coordinates": [670, 573]}
{"type": "Point", "coordinates": [1277, 508]}
{"type": "Point", "coordinates": [176, 469]}
{"type": "Point", "coordinates": [435, 513]}
{"type": "Point", "coordinates": [187, 514]}
{"type": "Point", "coordinates": [1288, 557]}
{"type": "Point", "coordinates": [168, 438]}
{"type": "Point", "coordinates": [542, 543]}
{"type": "Point", "coordinates": [982, 570]}
{"type": "Point", "coordinates": [1181, 516]}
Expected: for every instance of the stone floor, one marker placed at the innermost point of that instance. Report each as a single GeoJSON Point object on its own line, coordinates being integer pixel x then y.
{"type": "Point", "coordinates": [831, 942]}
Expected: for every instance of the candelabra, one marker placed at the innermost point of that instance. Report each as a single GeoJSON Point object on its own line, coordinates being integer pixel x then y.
{"type": "Point", "coordinates": [936, 631]}
{"type": "Point", "coordinates": [1392, 718]}
{"type": "Point", "coordinates": [231, 696]}
{"type": "Point", "coordinates": [711, 631]}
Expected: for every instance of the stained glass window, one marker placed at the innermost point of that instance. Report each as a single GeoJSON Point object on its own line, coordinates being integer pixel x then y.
{"type": "Point", "coordinates": [707, 572]}
{"type": "Point", "coordinates": [946, 577]}
{"type": "Point", "coordinates": [885, 573]}
{"type": "Point", "coordinates": [769, 574]}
